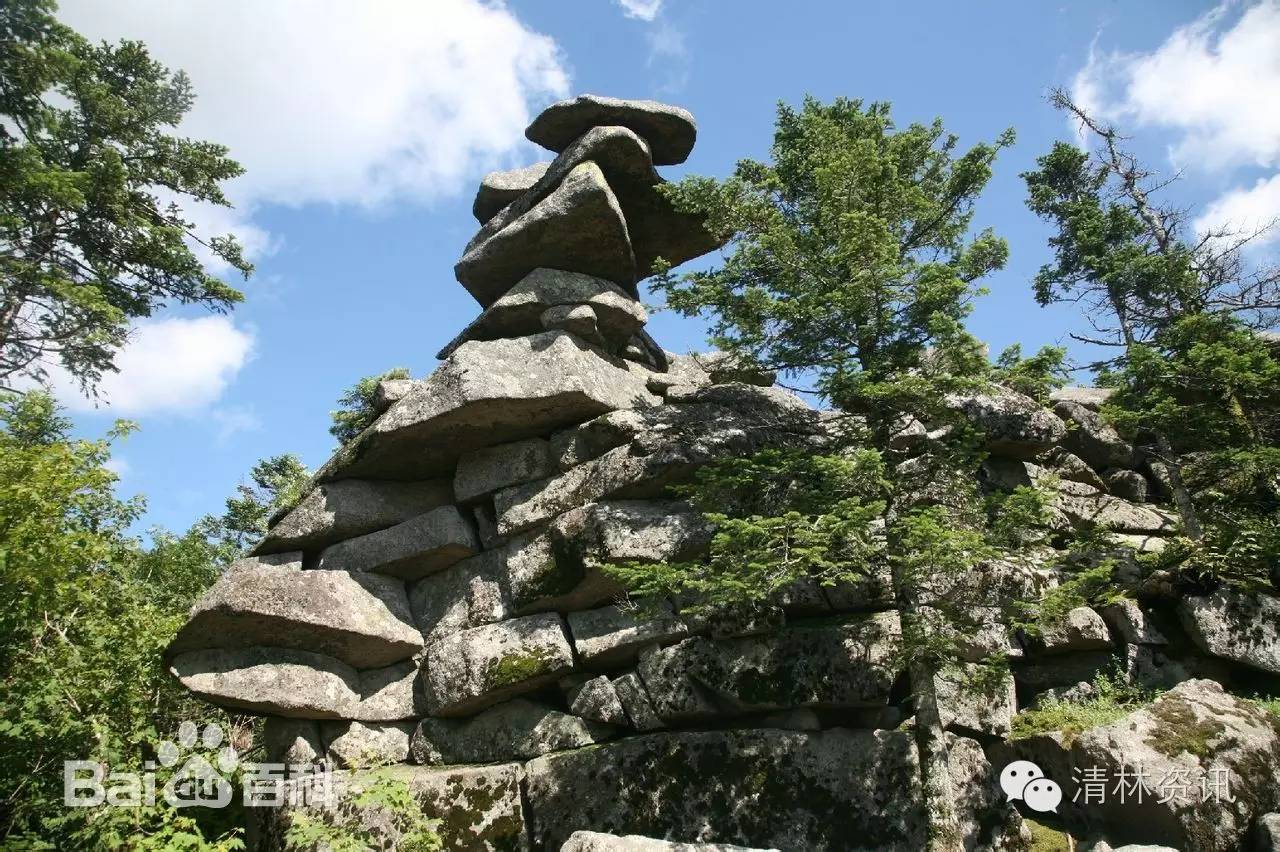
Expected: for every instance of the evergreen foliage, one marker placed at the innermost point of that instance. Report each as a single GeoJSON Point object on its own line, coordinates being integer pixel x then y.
{"type": "Point", "coordinates": [356, 405]}
{"type": "Point", "coordinates": [91, 178]}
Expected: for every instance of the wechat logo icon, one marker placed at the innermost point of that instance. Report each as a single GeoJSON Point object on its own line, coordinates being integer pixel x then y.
{"type": "Point", "coordinates": [1023, 780]}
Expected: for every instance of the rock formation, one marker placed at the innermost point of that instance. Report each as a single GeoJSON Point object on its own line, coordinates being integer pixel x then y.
{"type": "Point", "coordinates": [437, 599]}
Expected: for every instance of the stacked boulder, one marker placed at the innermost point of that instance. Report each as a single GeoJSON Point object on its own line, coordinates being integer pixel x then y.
{"type": "Point", "coordinates": [438, 599]}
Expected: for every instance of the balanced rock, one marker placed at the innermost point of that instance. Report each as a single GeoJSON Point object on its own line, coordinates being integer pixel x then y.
{"type": "Point", "coordinates": [655, 227]}
{"type": "Point", "coordinates": [516, 729]}
{"type": "Point", "coordinates": [579, 226]}
{"type": "Point", "coordinates": [482, 472]}
{"type": "Point", "coordinates": [340, 510]}
{"type": "Point", "coordinates": [474, 669]}
{"type": "Point", "coordinates": [519, 311]}
{"type": "Point", "coordinates": [1091, 398]}
{"type": "Point", "coordinates": [362, 620]}
{"type": "Point", "coordinates": [486, 393]}
{"type": "Point", "coordinates": [498, 189]}
{"type": "Point", "coordinates": [670, 131]}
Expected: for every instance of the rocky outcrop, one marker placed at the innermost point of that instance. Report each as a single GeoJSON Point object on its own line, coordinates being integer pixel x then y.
{"type": "Point", "coordinates": [1197, 766]}
{"type": "Point", "coordinates": [442, 604]}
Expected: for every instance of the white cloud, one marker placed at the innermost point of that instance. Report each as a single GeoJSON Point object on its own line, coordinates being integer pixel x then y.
{"type": "Point", "coordinates": [234, 421]}
{"type": "Point", "coordinates": [118, 465]}
{"type": "Point", "coordinates": [1215, 81]}
{"type": "Point", "coordinates": [1245, 211]}
{"type": "Point", "coordinates": [168, 366]}
{"type": "Point", "coordinates": [1215, 85]}
{"type": "Point", "coordinates": [337, 102]}
{"type": "Point", "coordinates": [644, 10]}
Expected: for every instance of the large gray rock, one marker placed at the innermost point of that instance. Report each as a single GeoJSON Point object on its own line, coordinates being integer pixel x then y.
{"type": "Point", "coordinates": [594, 841]}
{"type": "Point", "coordinates": [389, 694]}
{"type": "Point", "coordinates": [486, 393]}
{"type": "Point", "coordinates": [410, 550]}
{"type": "Point", "coordinates": [291, 741]}
{"type": "Point", "coordinates": [1238, 627]}
{"type": "Point", "coordinates": [636, 703]}
{"type": "Point", "coordinates": [1092, 439]}
{"type": "Point", "coordinates": [279, 682]}
{"type": "Point", "coordinates": [973, 704]}
{"type": "Point", "coordinates": [514, 730]}
{"type": "Point", "coordinates": [498, 189]}
{"type": "Point", "coordinates": [469, 671]}
{"type": "Point", "coordinates": [479, 807]}
{"type": "Point", "coordinates": [352, 507]}
{"type": "Point", "coordinates": [596, 700]}
{"type": "Point", "coordinates": [832, 790]}
{"type": "Point", "coordinates": [1090, 398]}
{"type": "Point", "coordinates": [578, 226]}
{"type": "Point", "coordinates": [1087, 511]}
{"type": "Point", "coordinates": [1188, 744]}
{"type": "Point", "coordinates": [482, 472]}
{"type": "Point", "coordinates": [654, 226]}
{"type": "Point", "coordinates": [519, 312]}
{"type": "Point", "coordinates": [841, 666]}
{"type": "Point", "coordinates": [1015, 425]}
{"type": "Point", "coordinates": [669, 131]}
{"type": "Point", "coordinates": [659, 448]}
{"type": "Point", "coordinates": [1133, 624]}
{"type": "Point", "coordinates": [357, 745]}
{"type": "Point", "coordinates": [362, 620]}
{"type": "Point", "coordinates": [1081, 629]}
{"type": "Point", "coordinates": [299, 684]}
{"type": "Point", "coordinates": [1128, 484]}
{"type": "Point", "coordinates": [609, 637]}
{"type": "Point", "coordinates": [468, 594]}
{"type": "Point", "coordinates": [390, 391]}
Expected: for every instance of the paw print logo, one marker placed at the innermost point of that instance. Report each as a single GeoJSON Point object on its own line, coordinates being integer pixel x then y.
{"type": "Point", "coordinates": [198, 781]}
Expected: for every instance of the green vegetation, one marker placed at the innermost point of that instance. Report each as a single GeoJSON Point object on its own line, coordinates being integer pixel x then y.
{"type": "Point", "coordinates": [91, 178]}
{"type": "Point", "coordinates": [384, 815]}
{"type": "Point", "coordinates": [356, 405]}
{"type": "Point", "coordinates": [88, 613]}
{"type": "Point", "coordinates": [1180, 730]}
{"type": "Point", "coordinates": [1047, 839]}
{"type": "Point", "coordinates": [1112, 699]}
{"type": "Point", "coordinates": [1196, 387]}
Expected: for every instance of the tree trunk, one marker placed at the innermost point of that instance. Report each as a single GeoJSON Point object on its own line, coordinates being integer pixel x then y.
{"type": "Point", "coordinates": [1181, 496]}
{"type": "Point", "coordinates": [935, 770]}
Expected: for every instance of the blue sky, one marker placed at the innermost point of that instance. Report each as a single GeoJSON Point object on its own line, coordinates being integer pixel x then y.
{"type": "Point", "coordinates": [365, 128]}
